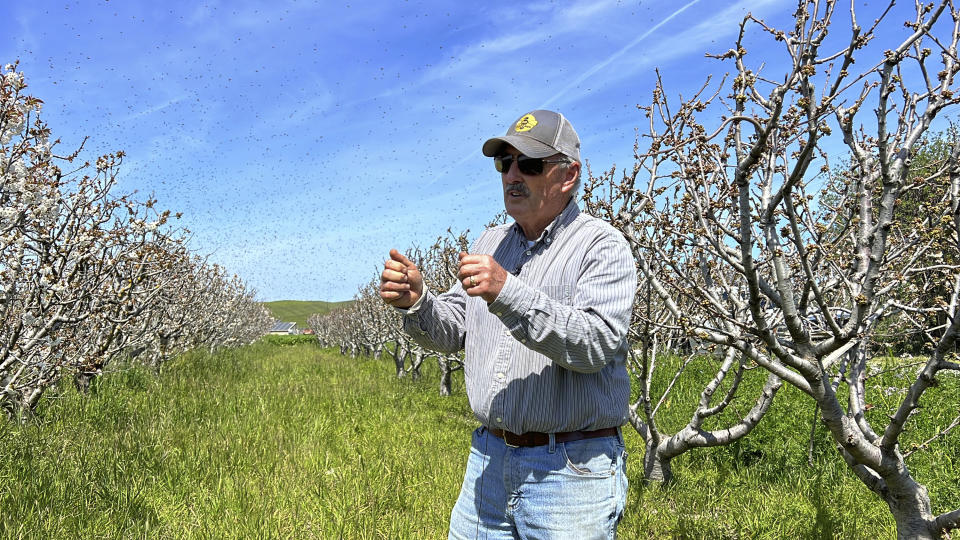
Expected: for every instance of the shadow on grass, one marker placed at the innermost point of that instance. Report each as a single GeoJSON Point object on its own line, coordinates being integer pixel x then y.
{"type": "Point", "coordinates": [825, 523]}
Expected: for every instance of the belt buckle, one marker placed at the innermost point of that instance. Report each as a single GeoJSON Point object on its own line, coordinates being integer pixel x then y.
{"type": "Point", "coordinates": [506, 439]}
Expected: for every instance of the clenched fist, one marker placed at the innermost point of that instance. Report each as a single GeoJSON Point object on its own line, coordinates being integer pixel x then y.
{"type": "Point", "coordinates": [401, 283]}
{"type": "Point", "coordinates": [481, 276]}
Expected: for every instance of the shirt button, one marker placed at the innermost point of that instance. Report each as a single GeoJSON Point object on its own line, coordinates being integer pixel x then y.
{"type": "Point", "coordinates": [547, 240]}
{"type": "Point", "coordinates": [499, 314]}
{"type": "Point", "coordinates": [499, 420]}
{"type": "Point", "coordinates": [528, 252]}
{"type": "Point", "coordinates": [524, 340]}
{"type": "Point", "coordinates": [500, 376]}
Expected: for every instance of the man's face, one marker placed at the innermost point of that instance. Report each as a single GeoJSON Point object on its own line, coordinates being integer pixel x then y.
{"type": "Point", "coordinates": [534, 200]}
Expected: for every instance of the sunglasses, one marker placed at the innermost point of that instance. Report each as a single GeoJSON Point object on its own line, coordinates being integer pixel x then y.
{"type": "Point", "coordinates": [527, 165]}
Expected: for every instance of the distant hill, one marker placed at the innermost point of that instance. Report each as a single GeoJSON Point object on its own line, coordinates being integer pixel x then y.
{"type": "Point", "coordinates": [298, 310]}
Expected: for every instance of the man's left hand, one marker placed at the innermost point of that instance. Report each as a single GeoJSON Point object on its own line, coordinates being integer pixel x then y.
{"type": "Point", "coordinates": [481, 276]}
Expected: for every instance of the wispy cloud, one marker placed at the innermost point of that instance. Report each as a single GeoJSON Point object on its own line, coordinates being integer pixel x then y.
{"type": "Point", "coordinates": [615, 56]}
{"type": "Point", "coordinates": [693, 38]}
{"type": "Point", "coordinates": [155, 108]}
{"type": "Point", "coordinates": [27, 38]}
{"type": "Point", "coordinates": [573, 18]}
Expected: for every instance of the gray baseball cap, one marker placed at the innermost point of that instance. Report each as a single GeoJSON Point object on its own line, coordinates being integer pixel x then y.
{"type": "Point", "coordinates": [538, 134]}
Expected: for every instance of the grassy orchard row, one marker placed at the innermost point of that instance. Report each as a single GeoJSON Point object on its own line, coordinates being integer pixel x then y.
{"type": "Point", "coordinates": [298, 441]}
{"type": "Point", "coordinates": [87, 276]}
{"type": "Point", "coordinates": [368, 326]}
{"type": "Point", "coordinates": [299, 311]}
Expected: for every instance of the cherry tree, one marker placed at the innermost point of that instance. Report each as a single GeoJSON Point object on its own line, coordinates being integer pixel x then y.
{"type": "Point", "coordinates": [87, 276]}
{"type": "Point", "coordinates": [744, 256]}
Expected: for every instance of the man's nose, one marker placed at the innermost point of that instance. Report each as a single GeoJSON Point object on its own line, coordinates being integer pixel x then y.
{"type": "Point", "coordinates": [513, 174]}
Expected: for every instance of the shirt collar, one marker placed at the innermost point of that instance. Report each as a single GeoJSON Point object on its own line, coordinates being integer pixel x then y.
{"type": "Point", "coordinates": [563, 219]}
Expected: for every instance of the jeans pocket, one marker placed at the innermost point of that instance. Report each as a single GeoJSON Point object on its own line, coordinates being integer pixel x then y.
{"type": "Point", "coordinates": [592, 457]}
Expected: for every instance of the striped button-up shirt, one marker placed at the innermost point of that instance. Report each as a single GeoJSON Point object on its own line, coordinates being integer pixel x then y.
{"type": "Point", "coordinates": [549, 354]}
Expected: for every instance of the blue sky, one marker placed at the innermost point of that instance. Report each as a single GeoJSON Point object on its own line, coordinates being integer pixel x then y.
{"type": "Point", "coordinates": [304, 139]}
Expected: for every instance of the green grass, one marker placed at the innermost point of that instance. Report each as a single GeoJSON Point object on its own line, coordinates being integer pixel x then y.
{"type": "Point", "coordinates": [299, 311]}
{"type": "Point", "coordinates": [294, 441]}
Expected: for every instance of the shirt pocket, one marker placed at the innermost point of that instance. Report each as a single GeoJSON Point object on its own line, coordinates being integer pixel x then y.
{"type": "Point", "coordinates": [558, 293]}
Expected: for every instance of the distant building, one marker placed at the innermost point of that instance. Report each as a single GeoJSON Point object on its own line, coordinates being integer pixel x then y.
{"type": "Point", "coordinates": [281, 328]}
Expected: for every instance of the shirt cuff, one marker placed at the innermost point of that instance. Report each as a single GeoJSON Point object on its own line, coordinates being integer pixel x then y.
{"type": "Point", "coordinates": [415, 307]}
{"type": "Point", "coordinates": [514, 300]}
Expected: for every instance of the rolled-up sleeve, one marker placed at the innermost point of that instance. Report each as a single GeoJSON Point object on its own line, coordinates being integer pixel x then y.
{"type": "Point", "coordinates": [438, 323]}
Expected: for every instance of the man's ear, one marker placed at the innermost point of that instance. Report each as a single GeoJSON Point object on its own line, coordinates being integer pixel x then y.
{"type": "Point", "coordinates": [570, 177]}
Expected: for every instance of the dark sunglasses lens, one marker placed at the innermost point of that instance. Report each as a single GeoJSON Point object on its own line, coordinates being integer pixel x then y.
{"type": "Point", "coordinates": [502, 163]}
{"type": "Point", "coordinates": [530, 166]}
{"type": "Point", "coordinates": [527, 165]}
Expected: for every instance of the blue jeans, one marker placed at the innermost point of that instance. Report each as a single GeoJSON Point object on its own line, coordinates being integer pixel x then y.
{"type": "Point", "coordinates": [561, 490]}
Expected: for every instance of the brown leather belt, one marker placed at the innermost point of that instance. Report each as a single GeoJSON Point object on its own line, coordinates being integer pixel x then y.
{"type": "Point", "coordinates": [534, 438]}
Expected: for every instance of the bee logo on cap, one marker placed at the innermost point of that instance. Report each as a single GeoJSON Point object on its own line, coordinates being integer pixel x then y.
{"type": "Point", "coordinates": [526, 123]}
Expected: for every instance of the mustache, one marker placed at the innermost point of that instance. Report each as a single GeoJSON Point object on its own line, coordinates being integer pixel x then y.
{"type": "Point", "coordinates": [518, 187]}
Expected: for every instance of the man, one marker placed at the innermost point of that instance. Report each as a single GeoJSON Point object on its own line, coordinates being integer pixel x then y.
{"type": "Point", "coordinates": [542, 311]}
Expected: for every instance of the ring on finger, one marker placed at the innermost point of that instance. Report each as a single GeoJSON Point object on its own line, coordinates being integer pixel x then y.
{"type": "Point", "coordinates": [473, 282]}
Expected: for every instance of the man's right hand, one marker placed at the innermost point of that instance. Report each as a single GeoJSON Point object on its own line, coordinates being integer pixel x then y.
{"type": "Point", "coordinates": [401, 283]}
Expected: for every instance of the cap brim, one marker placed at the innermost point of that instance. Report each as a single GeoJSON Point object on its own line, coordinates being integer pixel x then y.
{"type": "Point", "coordinates": [526, 146]}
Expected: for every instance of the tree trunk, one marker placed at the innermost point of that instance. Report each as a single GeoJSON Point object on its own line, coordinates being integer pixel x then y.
{"type": "Point", "coordinates": [910, 525]}
{"type": "Point", "coordinates": [31, 401]}
{"type": "Point", "coordinates": [398, 360]}
{"type": "Point", "coordinates": [82, 381]}
{"type": "Point", "coordinates": [445, 377]}
{"type": "Point", "coordinates": [909, 503]}
{"type": "Point", "coordinates": [656, 466]}
{"type": "Point", "coordinates": [415, 366]}
{"type": "Point", "coordinates": [908, 500]}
